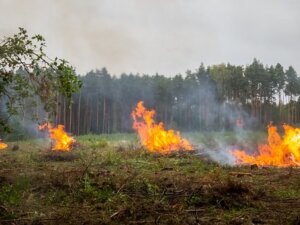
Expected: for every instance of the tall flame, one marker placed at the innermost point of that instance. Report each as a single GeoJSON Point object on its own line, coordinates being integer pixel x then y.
{"type": "Point", "coordinates": [280, 151]}
{"type": "Point", "coordinates": [61, 140]}
{"type": "Point", "coordinates": [2, 145]}
{"type": "Point", "coordinates": [153, 136]}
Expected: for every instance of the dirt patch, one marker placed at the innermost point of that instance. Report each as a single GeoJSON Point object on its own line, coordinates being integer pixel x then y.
{"type": "Point", "coordinates": [59, 156]}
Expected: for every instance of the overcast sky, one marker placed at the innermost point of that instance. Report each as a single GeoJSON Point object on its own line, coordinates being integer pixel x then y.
{"type": "Point", "coordinates": [163, 36]}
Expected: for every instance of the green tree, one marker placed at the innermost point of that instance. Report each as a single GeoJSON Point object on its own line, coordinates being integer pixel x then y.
{"type": "Point", "coordinates": [292, 89]}
{"type": "Point", "coordinates": [255, 74]}
{"type": "Point", "coordinates": [27, 73]}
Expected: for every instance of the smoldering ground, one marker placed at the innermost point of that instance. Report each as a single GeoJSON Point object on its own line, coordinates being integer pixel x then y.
{"type": "Point", "coordinates": [227, 127]}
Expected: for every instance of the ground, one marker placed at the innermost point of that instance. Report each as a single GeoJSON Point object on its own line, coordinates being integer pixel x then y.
{"type": "Point", "coordinates": [113, 180]}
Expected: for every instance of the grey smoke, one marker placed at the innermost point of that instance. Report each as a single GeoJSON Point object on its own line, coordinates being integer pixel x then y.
{"type": "Point", "coordinates": [167, 37]}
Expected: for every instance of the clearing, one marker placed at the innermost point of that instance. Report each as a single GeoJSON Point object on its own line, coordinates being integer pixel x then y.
{"type": "Point", "coordinates": [110, 179]}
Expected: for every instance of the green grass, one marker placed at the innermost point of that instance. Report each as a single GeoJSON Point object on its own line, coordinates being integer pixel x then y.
{"type": "Point", "coordinates": [112, 138]}
{"type": "Point", "coordinates": [111, 179]}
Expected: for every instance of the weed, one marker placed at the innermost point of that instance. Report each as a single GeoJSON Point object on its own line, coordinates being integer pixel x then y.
{"type": "Point", "coordinates": [91, 191]}
{"type": "Point", "coordinates": [11, 194]}
{"type": "Point", "coordinates": [112, 185]}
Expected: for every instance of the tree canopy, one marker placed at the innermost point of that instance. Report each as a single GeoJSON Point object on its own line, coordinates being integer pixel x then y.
{"type": "Point", "coordinates": [29, 77]}
{"type": "Point", "coordinates": [209, 98]}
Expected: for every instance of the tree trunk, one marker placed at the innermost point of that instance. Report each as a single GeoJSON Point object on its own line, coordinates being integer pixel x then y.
{"type": "Point", "coordinates": [70, 115]}
{"type": "Point", "coordinates": [103, 121]}
{"type": "Point", "coordinates": [90, 116]}
{"type": "Point", "coordinates": [65, 114]}
{"type": "Point", "coordinates": [57, 111]}
{"type": "Point", "coordinates": [78, 113]}
{"type": "Point", "coordinates": [97, 117]}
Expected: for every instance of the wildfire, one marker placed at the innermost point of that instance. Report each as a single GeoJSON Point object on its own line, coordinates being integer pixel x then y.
{"type": "Point", "coordinates": [280, 151]}
{"type": "Point", "coordinates": [153, 136]}
{"type": "Point", "coordinates": [61, 140]}
{"type": "Point", "coordinates": [239, 123]}
{"type": "Point", "coordinates": [2, 145]}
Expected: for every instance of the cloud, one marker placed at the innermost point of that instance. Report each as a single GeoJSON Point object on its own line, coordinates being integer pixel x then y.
{"type": "Point", "coordinates": [167, 37]}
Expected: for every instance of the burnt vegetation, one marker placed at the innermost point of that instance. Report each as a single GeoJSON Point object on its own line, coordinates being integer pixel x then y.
{"type": "Point", "coordinates": [104, 185]}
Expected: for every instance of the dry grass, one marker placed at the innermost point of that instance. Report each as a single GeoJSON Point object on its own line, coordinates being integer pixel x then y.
{"type": "Point", "coordinates": [100, 183]}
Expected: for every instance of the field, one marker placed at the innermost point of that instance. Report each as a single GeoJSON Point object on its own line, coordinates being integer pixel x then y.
{"type": "Point", "coordinates": [111, 179]}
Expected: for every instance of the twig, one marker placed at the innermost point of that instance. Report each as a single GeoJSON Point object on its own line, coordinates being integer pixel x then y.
{"type": "Point", "coordinates": [116, 213]}
{"type": "Point", "coordinates": [194, 210]}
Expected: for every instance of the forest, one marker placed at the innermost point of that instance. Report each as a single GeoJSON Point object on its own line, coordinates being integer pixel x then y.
{"type": "Point", "coordinates": [209, 98]}
{"type": "Point", "coordinates": [216, 145]}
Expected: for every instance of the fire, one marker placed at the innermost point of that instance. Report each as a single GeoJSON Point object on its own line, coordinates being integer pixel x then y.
{"type": "Point", "coordinates": [2, 145]}
{"type": "Point", "coordinates": [239, 123]}
{"type": "Point", "coordinates": [280, 151]}
{"type": "Point", "coordinates": [153, 136]}
{"type": "Point", "coordinates": [61, 140]}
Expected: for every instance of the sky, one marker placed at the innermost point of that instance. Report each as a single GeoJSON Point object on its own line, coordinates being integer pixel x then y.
{"type": "Point", "coordinates": [159, 36]}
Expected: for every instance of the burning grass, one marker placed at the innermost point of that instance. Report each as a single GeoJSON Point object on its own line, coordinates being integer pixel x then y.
{"type": "Point", "coordinates": [61, 140]}
{"type": "Point", "coordinates": [153, 136]}
{"type": "Point", "coordinates": [280, 151]}
{"type": "Point", "coordinates": [2, 145]}
{"type": "Point", "coordinates": [104, 185]}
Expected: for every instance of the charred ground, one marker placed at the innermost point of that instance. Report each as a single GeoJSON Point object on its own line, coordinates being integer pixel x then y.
{"type": "Point", "coordinates": [105, 181]}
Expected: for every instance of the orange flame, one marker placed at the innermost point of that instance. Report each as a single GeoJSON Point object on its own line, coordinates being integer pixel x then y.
{"type": "Point", "coordinates": [239, 123]}
{"type": "Point", "coordinates": [62, 141]}
{"type": "Point", "coordinates": [279, 151]}
{"type": "Point", "coordinates": [3, 145]}
{"type": "Point", "coordinates": [153, 136]}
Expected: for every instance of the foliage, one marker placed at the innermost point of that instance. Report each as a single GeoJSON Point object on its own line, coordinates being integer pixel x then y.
{"type": "Point", "coordinates": [12, 194]}
{"type": "Point", "coordinates": [28, 77]}
{"type": "Point", "coordinates": [209, 98]}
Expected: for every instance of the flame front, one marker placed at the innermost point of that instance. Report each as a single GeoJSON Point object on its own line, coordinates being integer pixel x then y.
{"type": "Point", "coordinates": [61, 140]}
{"type": "Point", "coordinates": [153, 136]}
{"type": "Point", "coordinates": [2, 145]}
{"type": "Point", "coordinates": [280, 151]}
{"type": "Point", "coordinates": [239, 123]}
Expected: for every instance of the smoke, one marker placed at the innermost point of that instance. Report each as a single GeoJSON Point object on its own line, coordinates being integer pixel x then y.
{"type": "Point", "coordinates": [23, 125]}
{"type": "Point", "coordinates": [220, 145]}
{"type": "Point", "coordinates": [165, 37]}
{"type": "Point", "coordinates": [217, 146]}
{"type": "Point", "coordinates": [225, 125]}
{"type": "Point", "coordinates": [159, 36]}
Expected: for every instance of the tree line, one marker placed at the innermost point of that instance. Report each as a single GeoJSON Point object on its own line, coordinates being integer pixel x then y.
{"type": "Point", "coordinates": [217, 97]}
